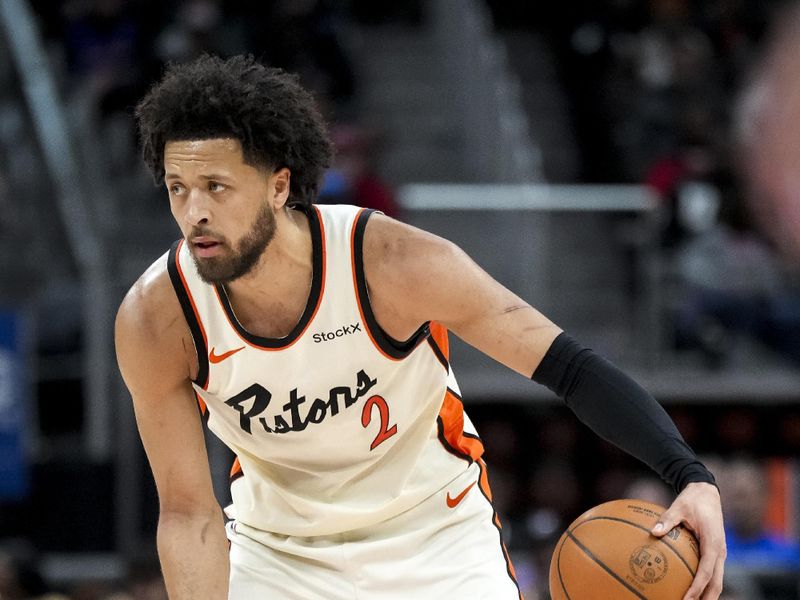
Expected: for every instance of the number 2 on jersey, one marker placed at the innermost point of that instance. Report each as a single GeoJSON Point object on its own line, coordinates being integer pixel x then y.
{"type": "Point", "coordinates": [383, 410]}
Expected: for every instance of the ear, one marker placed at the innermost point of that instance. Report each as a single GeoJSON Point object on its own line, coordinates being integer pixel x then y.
{"type": "Point", "coordinates": [281, 182]}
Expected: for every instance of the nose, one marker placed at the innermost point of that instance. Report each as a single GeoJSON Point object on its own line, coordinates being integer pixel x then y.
{"type": "Point", "coordinates": [197, 208]}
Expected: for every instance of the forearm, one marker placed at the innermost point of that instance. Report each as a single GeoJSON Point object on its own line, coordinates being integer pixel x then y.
{"type": "Point", "coordinates": [193, 551]}
{"type": "Point", "coordinates": [619, 410]}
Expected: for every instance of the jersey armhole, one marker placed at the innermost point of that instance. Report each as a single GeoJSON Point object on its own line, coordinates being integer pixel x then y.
{"type": "Point", "coordinates": [189, 313]}
{"type": "Point", "coordinates": [390, 347]}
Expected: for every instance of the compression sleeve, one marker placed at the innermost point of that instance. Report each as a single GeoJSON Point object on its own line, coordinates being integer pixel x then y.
{"type": "Point", "coordinates": [620, 411]}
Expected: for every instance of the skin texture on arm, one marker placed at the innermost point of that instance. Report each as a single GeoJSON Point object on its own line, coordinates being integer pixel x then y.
{"type": "Point", "coordinates": [156, 358]}
{"type": "Point", "coordinates": [414, 276]}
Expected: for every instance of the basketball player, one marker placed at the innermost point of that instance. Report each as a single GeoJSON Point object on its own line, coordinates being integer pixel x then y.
{"type": "Point", "coordinates": [314, 340]}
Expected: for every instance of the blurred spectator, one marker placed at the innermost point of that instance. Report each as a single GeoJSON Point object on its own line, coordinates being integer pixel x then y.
{"type": "Point", "coordinates": [104, 52]}
{"type": "Point", "coordinates": [555, 497]}
{"type": "Point", "coordinates": [353, 178]}
{"type": "Point", "coordinates": [199, 26]}
{"type": "Point", "coordinates": [732, 285]}
{"type": "Point", "coordinates": [767, 115]}
{"type": "Point", "coordinates": [744, 486]}
{"type": "Point", "coordinates": [738, 585]}
{"type": "Point", "coordinates": [400, 11]}
{"type": "Point", "coordinates": [649, 489]}
{"type": "Point", "coordinates": [91, 589]}
{"type": "Point", "coordinates": [737, 428]}
{"type": "Point", "coordinates": [302, 36]}
{"type": "Point", "coordinates": [559, 435]}
{"type": "Point", "coordinates": [19, 577]}
{"type": "Point", "coordinates": [145, 581]}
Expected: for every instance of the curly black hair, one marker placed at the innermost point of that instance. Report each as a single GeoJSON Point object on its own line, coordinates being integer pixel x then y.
{"type": "Point", "coordinates": [274, 118]}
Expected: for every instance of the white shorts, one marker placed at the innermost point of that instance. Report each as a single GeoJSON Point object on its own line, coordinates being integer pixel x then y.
{"type": "Point", "coordinates": [431, 552]}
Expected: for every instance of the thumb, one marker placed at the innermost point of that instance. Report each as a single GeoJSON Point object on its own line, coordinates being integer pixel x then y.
{"type": "Point", "coordinates": [665, 524]}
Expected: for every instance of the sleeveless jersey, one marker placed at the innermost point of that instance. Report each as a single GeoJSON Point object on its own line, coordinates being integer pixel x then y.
{"type": "Point", "coordinates": [336, 426]}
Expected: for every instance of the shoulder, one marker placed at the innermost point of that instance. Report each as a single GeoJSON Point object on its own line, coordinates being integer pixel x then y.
{"type": "Point", "coordinates": [150, 324]}
{"type": "Point", "coordinates": [151, 302]}
{"type": "Point", "coordinates": [413, 273]}
{"type": "Point", "coordinates": [395, 247]}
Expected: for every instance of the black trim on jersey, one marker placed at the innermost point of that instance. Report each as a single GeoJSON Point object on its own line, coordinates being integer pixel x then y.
{"type": "Point", "coordinates": [204, 415]}
{"type": "Point", "coordinates": [454, 451]}
{"type": "Point", "coordinates": [456, 394]}
{"type": "Point", "coordinates": [188, 313]}
{"type": "Point", "coordinates": [438, 352]}
{"type": "Point", "coordinates": [495, 521]}
{"type": "Point", "coordinates": [447, 446]}
{"type": "Point", "coordinates": [235, 476]}
{"type": "Point", "coordinates": [317, 252]}
{"type": "Point", "coordinates": [389, 345]}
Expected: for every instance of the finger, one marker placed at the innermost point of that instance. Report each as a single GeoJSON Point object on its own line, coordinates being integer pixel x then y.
{"type": "Point", "coordinates": [714, 588]}
{"type": "Point", "coordinates": [705, 571]}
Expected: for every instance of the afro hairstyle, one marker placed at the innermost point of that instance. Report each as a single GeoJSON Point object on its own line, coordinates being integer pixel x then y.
{"type": "Point", "coordinates": [266, 109]}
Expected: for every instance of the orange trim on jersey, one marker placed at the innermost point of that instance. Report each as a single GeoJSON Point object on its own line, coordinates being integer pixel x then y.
{"type": "Point", "coordinates": [236, 469]}
{"type": "Point", "coordinates": [191, 301]}
{"type": "Point", "coordinates": [483, 485]}
{"type": "Point", "coordinates": [355, 289]}
{"type": "Point", "coordinates": [316, 308]}
{"type": "Point", "coordinates": [202, 404]}
{"type": "Point", "coordinates": [452, 418]}
{"type": "Point", "coordinates": [439, 335]}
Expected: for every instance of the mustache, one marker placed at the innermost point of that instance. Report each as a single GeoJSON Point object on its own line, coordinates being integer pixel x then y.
{"type": "Point", "coordinates": [205, 232]}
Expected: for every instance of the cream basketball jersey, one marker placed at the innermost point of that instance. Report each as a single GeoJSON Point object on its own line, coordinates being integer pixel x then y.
{"type": "Point", "coordinates": [336, 426]}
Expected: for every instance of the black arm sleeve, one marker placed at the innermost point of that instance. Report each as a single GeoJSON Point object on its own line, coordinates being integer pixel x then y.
{"type": "Point", "coordinates": [619, 410]}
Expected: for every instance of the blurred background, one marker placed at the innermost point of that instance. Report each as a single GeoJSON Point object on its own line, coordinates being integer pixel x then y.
{"type": "Point", "coordinates": [584, 153]}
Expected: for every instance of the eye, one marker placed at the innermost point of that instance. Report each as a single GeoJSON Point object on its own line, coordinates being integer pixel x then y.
{"type": "Point", "coordinates": [175, 189]}
{"type": "Point", "coordinates": [214, 186]}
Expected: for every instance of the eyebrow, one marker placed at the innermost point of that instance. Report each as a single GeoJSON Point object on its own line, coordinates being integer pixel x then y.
{"type": "Point", "coordinates": [213, 176]}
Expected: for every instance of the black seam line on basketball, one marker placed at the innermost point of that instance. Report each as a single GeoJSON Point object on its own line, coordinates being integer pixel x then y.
{"type": "Point", "coordinates": [188, 313]}
{"type": "Point", "coordinates": [495, 521]}
{"type": "Point", "coordinates": [314, 300]}
{"type": "Point", "coordinates": [394, 348]}
{"type": "Point", "coordinates": [667, 544]}
{"type": "Point", "coordinates": [605, 567]}
{"type": "Point", "coordinates": [558, 568]}
{"type": "Point", "coordinates": [438, 353]}
{"type": "Point", "coordinates": [236, 476]}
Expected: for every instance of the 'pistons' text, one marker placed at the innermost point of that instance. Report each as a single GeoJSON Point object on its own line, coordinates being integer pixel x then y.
{"type": "Point", "coordinates": [254, 400]}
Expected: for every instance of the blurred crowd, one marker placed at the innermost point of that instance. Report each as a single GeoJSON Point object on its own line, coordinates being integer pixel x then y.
{"type": "Point", "coordinates": [111, 50]}
{"type": "Point", "coordinates": [653, 88]}
{"type": "Point", "coordinates": [656, 94]}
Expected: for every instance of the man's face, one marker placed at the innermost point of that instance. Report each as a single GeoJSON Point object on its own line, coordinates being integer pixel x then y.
{"type": "Point", "coordinates": [224, 207]}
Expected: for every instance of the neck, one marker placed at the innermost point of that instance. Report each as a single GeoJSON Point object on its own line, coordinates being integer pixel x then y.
{"type": "Point", "coordinates": [285, 265]}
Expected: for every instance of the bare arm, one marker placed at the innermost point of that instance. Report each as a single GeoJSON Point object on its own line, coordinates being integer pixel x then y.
{"type": "Point", "coordinates": [155, 360]}
{"type": "Point", "coordinates": [415, 276]}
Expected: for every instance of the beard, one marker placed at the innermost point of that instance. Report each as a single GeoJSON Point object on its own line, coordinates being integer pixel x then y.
{"type": "Point", "coordinates": [242, 259]}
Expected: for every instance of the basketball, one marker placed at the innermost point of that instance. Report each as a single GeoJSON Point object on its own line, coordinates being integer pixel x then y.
{"type": "Point", "coordinates": [608, 552]}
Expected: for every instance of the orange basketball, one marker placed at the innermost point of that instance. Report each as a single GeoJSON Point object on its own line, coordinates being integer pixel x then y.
{"type": "Point", "coordinates": [608, 553]}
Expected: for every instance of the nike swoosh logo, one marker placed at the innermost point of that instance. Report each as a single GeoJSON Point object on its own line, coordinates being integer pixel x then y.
{"type": "Point", "coordinates": [453, 502]}
{"type": "Point", "coordinates": [218, 358]}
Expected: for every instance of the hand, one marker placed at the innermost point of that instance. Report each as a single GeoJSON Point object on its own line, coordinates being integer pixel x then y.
{"type": "Point", "coordinates": [698, 508]}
